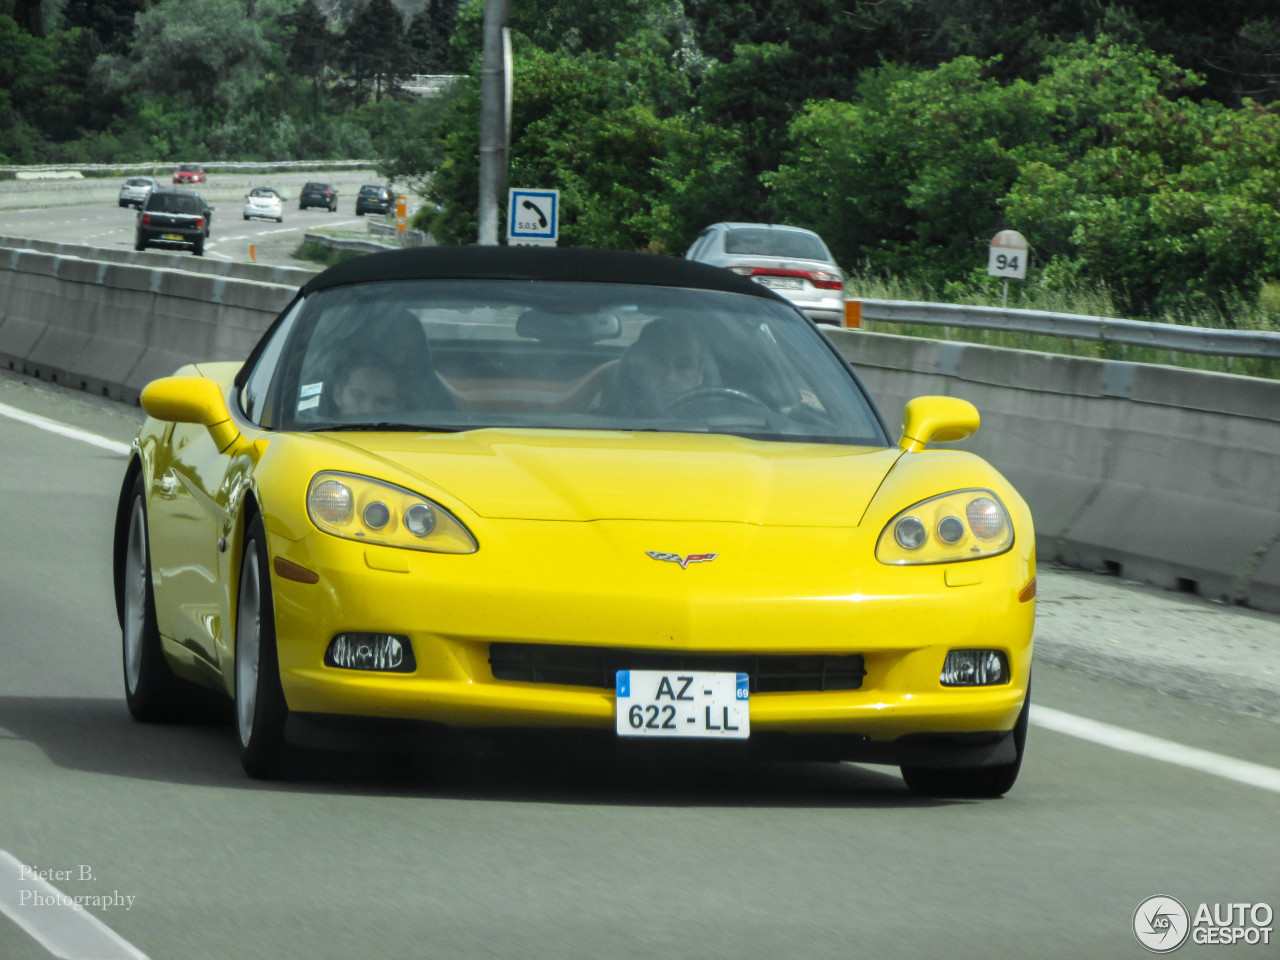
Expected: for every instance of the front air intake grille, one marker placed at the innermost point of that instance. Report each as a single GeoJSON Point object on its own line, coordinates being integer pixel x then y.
{"type": "Point", "coordinates": [596, 666]}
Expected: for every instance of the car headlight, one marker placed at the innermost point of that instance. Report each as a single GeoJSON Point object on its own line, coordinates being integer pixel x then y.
{"type": "Point", "coordinates": [962, 525]}
{"type": "Point", "coordinates": [360, 508]}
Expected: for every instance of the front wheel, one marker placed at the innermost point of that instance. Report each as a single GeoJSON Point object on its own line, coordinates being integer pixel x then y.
{"type": "Point", "coordinates": [151, 691]}
{"type": "Point", "coordinates": [261, 711]}
{"type": "Point", "coordinates": [973, 782]}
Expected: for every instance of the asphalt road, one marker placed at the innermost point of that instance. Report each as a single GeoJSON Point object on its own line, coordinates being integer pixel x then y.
{"type": "Point", "coordinates": [518, 857]}
{"type": "Point", "coordinates": [87, 212]}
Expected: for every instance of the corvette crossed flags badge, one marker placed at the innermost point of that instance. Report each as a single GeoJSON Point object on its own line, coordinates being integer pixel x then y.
{"type": "Point", "coordinates": [683, 561]}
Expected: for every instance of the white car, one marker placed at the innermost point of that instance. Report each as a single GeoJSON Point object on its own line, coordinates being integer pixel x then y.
{"type": "Point", "coordinates": [135, 191]}
{"type": "Point", "coordinates": [790, 260]}
{"type": "Point", "coordinates": [264, 202]}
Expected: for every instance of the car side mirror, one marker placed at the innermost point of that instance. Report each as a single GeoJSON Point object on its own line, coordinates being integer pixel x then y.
{"type": "Point", "coordinates": [926, 419]}
{"type": "Point", "coordinates": [191, 400]}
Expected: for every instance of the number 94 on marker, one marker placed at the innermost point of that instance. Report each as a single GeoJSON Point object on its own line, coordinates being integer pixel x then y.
{"type": "Point", "coordinates": [658, 703]}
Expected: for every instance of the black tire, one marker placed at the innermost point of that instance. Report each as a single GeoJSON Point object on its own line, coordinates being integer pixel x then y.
{"type": "Point", "coordinates": [152, 692]}
{"type": "Point", "coordinates": [261, 711]}
{"type": "Point", "coordinates": [198, 247]}
{"type": "Point", "coordinates": [139, 245]}
{"type": "Point", "coordinates": [973, 782]}
{"type": "Point", "coordinates": [246, 216]}
{"type": "Point", "coordinates": [124, 203]}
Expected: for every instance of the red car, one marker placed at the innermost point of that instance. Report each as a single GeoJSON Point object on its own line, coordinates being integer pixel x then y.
{"type": "Point", "coordinates": [188, 173]}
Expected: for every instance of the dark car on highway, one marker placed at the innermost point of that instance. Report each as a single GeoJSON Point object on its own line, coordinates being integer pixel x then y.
{"type": "Point", "coordinates": [173, 218]}
{"type": "Point", "coordinates": [318, 194]}
{"type": "Point", "coordinates": [374, 198]}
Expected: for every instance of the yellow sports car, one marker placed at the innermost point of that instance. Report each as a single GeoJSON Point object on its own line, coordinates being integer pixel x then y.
{"type": "Point", "coordinates": [501, 489]}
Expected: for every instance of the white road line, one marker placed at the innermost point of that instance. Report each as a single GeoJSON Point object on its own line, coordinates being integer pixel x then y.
{"type": "Point", "coordinates": [55, 921]}
{"type": "Point", "coordinates": [53, 426]}
{"type": "Point", "coordinates": [1155, 748]}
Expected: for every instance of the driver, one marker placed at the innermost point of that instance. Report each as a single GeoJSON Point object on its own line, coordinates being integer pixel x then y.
{"type": "Point", "coordinates": [366, 386]}
{"type": "Point", "coordinates": [666, 361]}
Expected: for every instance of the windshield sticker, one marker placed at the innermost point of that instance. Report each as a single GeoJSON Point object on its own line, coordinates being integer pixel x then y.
{"type": "Point", "coordinates": [309, 404]}
{"type": "Point", "coordinates": [310, 390]}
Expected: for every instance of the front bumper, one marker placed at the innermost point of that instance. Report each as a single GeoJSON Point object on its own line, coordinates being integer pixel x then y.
{"type": "Point", "coordinates": [901, 620]}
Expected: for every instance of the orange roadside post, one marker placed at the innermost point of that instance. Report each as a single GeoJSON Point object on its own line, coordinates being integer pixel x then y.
{"type": "Point", "coordinates": [853, 313]}
{"type": "Point", "coordinates": [253, 254]}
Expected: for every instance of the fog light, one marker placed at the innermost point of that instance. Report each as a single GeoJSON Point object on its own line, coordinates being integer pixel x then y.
{"type": "Point", "coordinates": [371, 651]}
{"type": "Point", "coordinates": [974, 668]}
{"type": "Point", "coordinates": [986, 518]}
{"type": "Point", "coordinates": [331, 501]}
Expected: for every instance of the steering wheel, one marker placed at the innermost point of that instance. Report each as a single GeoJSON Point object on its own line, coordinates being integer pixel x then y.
{"type": "Point", "coordinates": [705, 393]}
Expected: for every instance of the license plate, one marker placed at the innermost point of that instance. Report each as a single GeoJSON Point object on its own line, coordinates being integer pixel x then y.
{"type": "Point", "coordinates": [656, 703]}
{"type": "Point", "coordinates": [172, 236]}
{"type": "Point", "coordinates": [781, 283]}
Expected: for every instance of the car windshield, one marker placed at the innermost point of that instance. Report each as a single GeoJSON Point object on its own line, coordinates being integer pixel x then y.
{"type": "Point", "coordinates": [767, 242]}
{"type": "Point", "coordinates": [370, 191]}
{"type": "Point", "coordinates": [138, 182]}
{"type": "Point", "coordinates": [188, 168]}
{"type": "Point", "coordinates": [458, 355]}
{"type": "Point", "coordinates": [264, 192]}
{"type": "Point", "coordinates": [173, 203]}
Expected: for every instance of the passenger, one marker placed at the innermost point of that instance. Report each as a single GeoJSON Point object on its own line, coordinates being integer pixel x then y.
{"type": "Point", "coordinates": [666, 361]}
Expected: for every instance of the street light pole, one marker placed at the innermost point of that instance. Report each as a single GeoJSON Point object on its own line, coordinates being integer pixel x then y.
{"type": "Point", "coordinates": [493, 121]}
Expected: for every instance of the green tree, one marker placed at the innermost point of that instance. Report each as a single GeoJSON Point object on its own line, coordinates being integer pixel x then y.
{"type": "Point", "coordinates": [109, 21]}
{"type": "Point", "coordinates": [309, 46]}
{"type": "Point", "coordinates": [374, 51]}
{"type": "Point", "coordinates": [207, 51]}
{"type": "Point", "coordinates": [428, 36]}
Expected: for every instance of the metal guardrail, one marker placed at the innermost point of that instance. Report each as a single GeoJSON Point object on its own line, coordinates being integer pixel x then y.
{"type": "Point", "coordinates": [430, 84]}
{"type": "Point", "coordinates": [346, 243]}
{"type": "Point", "coordinates": [1162, 336]}
{"type": "Point", "coordinates": [209, 166]}
{"type": "Point", "coordinates": [404, 238]}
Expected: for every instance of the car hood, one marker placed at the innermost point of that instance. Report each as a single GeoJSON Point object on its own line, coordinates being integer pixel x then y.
{"type": "Point", "coordinates": [583, 476]}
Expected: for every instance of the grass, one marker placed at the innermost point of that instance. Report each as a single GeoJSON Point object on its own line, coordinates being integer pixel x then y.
{"type": "Point", "coordinates": [324, 255]}
{"type": "Point", "coordinates": [1235, 312]}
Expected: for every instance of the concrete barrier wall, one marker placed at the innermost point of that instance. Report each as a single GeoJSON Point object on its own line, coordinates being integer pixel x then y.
{"type": "Point", "coordinates": [263, 273]}
{"type": "Point", "coordinates": [111, 328]}
{"type": "Point", "coordinates": [1160, 474]}
{"type": "Point", "coordinates": [1156, 473]}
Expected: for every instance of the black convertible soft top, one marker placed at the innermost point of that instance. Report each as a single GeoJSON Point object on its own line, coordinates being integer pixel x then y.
{"type": "Point", "coordinates": [534, 263]}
